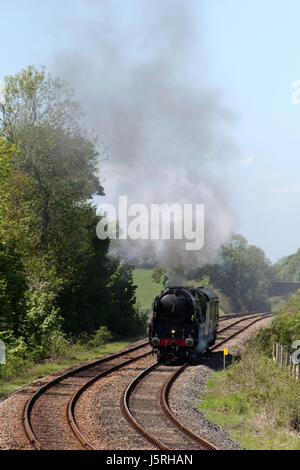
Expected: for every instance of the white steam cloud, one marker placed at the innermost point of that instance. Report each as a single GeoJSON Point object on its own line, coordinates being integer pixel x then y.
{"type": "Point", "coordinates": [144, 91]}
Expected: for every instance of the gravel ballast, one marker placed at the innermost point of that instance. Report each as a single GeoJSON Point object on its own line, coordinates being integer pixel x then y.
{"type": "Point", "coordinates": [185, 394]}
{"type": "Point", "coordinates": [187, 390]}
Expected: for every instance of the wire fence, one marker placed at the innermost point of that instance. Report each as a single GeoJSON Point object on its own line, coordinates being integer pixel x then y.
{"type": "Point", "coordinates": [283, 356]}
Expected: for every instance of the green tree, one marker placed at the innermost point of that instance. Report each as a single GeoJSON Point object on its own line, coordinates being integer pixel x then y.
{"type": "Point", "coordinates": [12, 275]}
{"type": "Point", "coordinates": [243, 275]}
{"type": "Point", "coordinates": [53, 176]}
{"type": "Point", "coordinates": [122, 317]}
{"type": "Point", "coordinates": [288, 268]}
{"type": "Point", "coordinates": [40, 116]}
{"type": "Point", "coordinates": [157, 274]}
{"type": "Point", "coordinates": [33, 99]}
{"type": "Point", "coordinates": [12, 290]}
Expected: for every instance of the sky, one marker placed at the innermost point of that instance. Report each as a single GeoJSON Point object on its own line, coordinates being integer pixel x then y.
{"type": "Point", "coordinates": [246, 51]}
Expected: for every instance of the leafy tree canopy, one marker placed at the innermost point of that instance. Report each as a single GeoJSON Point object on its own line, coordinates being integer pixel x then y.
{"type": "Point", "coordinates": [288, 268]}
{"type": "Point", "coordinates": [243, 275]}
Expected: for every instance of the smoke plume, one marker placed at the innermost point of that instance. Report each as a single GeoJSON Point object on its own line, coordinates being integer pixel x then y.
{"type": "Point", "coordinates": [145, 92]}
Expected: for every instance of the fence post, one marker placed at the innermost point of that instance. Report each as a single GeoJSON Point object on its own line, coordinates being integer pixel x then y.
{"type": "Point", "coordinates": [280, 354]}
{"type": "Point", "coordinates": [277, 353]}
{"type": "Point", "coordinates": [283, 357]}
{"type": "Point", "coordinates": [2, 352]}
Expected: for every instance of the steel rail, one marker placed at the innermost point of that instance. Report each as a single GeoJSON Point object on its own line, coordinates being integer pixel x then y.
{"type": "Point", "coordinates": [71, 406]}
{"type": "Point", "coordinates": [261, 317]}
{"type": "Point", "coordinates": [30, 403]}
{"type": "Point", "coordinates": [75, 397]}
{"type": "Point", "coordinates": [165, 393]}
{"type": "Point", "coordinates": [164, 401]}
{"type": "Point", "coordinates": [164, 396]}
{"type": "Point", "coordinates": [124, 402]}
{"type": "Point", "coordinates": [245, 317]}
{"type": "Point", "coordinates": [240, 315]}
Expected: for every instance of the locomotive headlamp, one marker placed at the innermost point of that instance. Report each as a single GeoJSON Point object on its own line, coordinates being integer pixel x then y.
{"type": "Point", "coordinates": [173, 332]}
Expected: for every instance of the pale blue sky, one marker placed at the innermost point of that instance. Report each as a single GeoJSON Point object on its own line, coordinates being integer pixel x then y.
{"type": "Point", "coordinates": [251, 50]}
{"type": "Point", "coordinates": [255, 57]}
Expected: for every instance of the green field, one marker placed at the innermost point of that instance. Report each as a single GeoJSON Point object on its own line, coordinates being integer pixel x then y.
{"type": "Point", "coordinates": [147, 289]}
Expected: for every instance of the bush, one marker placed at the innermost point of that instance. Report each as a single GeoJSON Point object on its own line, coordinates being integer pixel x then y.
{"type": "Point", "coordinates": [55, 346]}
{"type": "Point", "coordinates": [261, 386]}
{"type": "Point", "coordinates": [284, 328]}
{"type": "Point", "coordinates": [100, 337]}
{"type": "Point", "coordinates": [17, 359]}
{"type": "Point", "coordinates": [42, 322]}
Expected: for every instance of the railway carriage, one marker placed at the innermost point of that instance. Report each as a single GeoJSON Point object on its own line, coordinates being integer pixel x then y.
{"type": "Point", "coordinates": [184, 322]}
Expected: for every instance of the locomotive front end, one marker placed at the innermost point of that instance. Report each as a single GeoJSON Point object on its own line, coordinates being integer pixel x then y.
{"type": "Point", "coordinates": [173, 330]}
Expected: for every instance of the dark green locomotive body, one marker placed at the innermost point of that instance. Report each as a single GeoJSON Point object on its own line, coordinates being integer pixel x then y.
{"type": "Point", "coordinates": [184, 321]}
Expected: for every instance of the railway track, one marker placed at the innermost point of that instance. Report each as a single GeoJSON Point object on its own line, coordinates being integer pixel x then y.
{"type": "Point", "coordinates": [49, 415]}
{"type": "Point", "coordinates": [145, 402]}
{"type": "Point", "coordinates": [233, 330]}
{"type": "Point", "coordinates": [49, 419]}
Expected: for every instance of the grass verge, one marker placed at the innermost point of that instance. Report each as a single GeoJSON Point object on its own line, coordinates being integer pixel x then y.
{"type": "Point", "coordinates": [257, 402]}
{"type": "Point", "coordinates": [76, 353]}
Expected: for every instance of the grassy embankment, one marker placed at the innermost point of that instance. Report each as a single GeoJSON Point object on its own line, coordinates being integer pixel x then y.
{"type": "Point", "coordinates": [256, 400]}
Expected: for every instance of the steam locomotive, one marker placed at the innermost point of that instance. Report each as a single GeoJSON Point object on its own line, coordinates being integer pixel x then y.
{"type": "Point", "coordinates": [184, 322]}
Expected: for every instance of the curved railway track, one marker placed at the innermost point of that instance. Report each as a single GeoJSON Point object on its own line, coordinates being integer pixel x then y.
{"type": "Point", "coordinates": [142, 404]}
{"type": "Point", "coordinates": [248, 320]}
{"type": "Point", "coordinates": [163, 429]}
{"type": "Point", "coordinates": [49, 415]}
